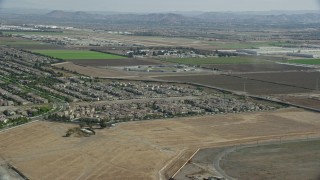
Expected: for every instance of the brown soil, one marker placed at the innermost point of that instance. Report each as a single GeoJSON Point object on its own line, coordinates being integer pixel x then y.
{"type": "Point", "coordinates": [299, 79]}
{"type": "Point", "coordinates": [257, 67]}
{"type": "Point", "coordinates": [91, 71]}
{"type": "Point", "coordinates": [299, 160]}
{"type": "Point", "coordinates": [237, 84]}
{"type": "Point", "coordinates": [114, 62]}
{"type": "Point", "coordinates": [138, 150]}
{"type": "Point", "coordinates": [304, 101]}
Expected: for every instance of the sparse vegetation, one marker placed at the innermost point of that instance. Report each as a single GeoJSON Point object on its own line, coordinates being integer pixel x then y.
{"type": "Point", "coordinates": [14, 122]}
{"type": "Point", "coordinates": [216, 60]}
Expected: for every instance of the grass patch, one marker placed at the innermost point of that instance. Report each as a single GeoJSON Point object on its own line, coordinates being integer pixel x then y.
{"type": "Point", "coordinates": [77, 54]}
{"type": "Point", "coordinates": [216, 60]}
{"type": "Point", "coordinates": [305, 61]}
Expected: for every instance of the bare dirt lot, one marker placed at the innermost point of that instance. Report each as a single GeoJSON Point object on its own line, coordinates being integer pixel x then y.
{"type": "Point", "coordinates": [21, 43]}
{"type": "Point", "coordinates": [91, 71]}
{"type": "Point", "coordinates": [302, 100]}
{"type": "Point", "coordinates": [257, 67]}
{"type": "Point", "coordinates": [115, 62]}
{"type": "Point", "coordinates": [139, 150]}
{"type": "Point", "coordinates": [309, 80]}
{"type": "Point", "coordinates": [237, 84]}
{"type": "Point", "coordinates": [296, 160]}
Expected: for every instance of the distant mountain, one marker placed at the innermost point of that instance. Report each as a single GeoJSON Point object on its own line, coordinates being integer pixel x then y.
{"type": "Point", "coordinates": [168, 18]}
{"type": "Point", "coordinates": [72, 15]}
{"type": "Point", "coordinates": [192, 19]}
{"type": "Point", "coordinates": [262, 18]}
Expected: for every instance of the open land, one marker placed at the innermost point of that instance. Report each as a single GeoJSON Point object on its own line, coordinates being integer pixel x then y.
{"type": "Point", "coordinates": [216, 60]}
{"type": "Point", "coordinates": [186, 42]}
{"type": "Point", "coordinates": [304, 100]}
{"type": "Point", "coordinates": [115, 62]}
{"type": "Point", "coordinates": [51, 99]}
{"type": "Point", "coordinates": [237, 84]}
{"type": "Point", "coordinates": [138, 150]}
{"type": "Point", "coordinates": [270, 67]}
{"type": "Point", "coordinates": [25, 44]}
{"type": "Point", "coordinates": [281, 159]}
{"type": "Point", "coordinates": [31, 33]}
{"type": "Point", "coordinates": [77, 54]}
{"type": "Point", "coordinates": [295, 160]}
{"type": "Point", "coordinates": [91, 71]}
{"type": "Point", "coordinates": [310, 80]}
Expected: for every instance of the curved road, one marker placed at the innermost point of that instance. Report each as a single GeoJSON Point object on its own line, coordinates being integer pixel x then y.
{"type": "Point", "coordinates": [220, 156]}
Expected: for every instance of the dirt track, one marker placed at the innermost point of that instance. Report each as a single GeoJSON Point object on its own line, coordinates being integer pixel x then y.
{"type": "Point", "coordinates": [138, 150]}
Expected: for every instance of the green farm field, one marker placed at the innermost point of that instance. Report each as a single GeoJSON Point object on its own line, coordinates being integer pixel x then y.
{"type": "Point", "coordinates": [77, 54]}
{"type": "Point", "coordinates": [216, 60]}
{"type": "Point", "coordinates": [306, 61]}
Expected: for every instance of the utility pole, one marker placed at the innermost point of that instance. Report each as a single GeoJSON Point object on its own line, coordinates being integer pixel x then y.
{"type": "Point", "coordinates": [317, 83]}
{"type": "Point", "coordinates": [244, 85]}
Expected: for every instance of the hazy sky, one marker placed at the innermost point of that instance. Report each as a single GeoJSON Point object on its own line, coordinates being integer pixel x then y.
{"type": "Point", "coordinates": [165, 5]}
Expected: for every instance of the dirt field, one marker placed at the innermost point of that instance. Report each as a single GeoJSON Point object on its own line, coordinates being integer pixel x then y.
{"type": "Point", "coordinates": [21, 43]}
{"type": "Point", "coordinates": [298, 160]}
{"type": "Point", "coordinates": [300, 79]}
{"type": "Point", "coordinates": [91, 71]}
{"type": "Point", "coordinates": [115, 62]}
{"type": "Point", "coordinates": [138, 150]}
{"type": "Point", "coordinates": [237, 84]}
{"type": "Point", "coordinates": [302, 100]}
{"type": "Point", "coordinates": [257, 67]}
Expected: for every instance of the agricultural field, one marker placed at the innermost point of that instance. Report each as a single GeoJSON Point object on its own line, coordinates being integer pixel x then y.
{"type": "Point", "coordinates": [116, 62]}
{"type": "Point", "coordinates": [204, 44]}
{"type": "Point", "coordinates": [24, 44]}
{"type": "Point", "coordinates": [144, 149]}
{"type": "Point", "coordinates": [237, 84]}
{"type": "Point", "coordinates": [310, 80]}
{"type": "Point", "coordinates": [246, 45]}
{"type": "Point", "coordinates": [305, 61]}
{"type": "Point", "coordinates": [294, 160]}
{"type": "Point", "coordinates": [216, 60]}
{"type": "Point", "coordinates": [77, 54]}
{"type": "Point", "coordinates": [31, 33]}
{"type": "Point", "coordinates": [304, 100]}
{"type": "Point", "coordinates": [91, 71]}
{"type": "Point", "coordinates": [268, 67]}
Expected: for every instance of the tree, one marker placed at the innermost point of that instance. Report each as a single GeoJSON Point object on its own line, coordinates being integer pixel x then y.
{"type": "Point", "coordinates": [103, 124]}
{"type": "Point", "coordinates": [130, 55]}
{"type": "Point", "coordinates": [82, 125]}
{"type": "Point", "coordinates": [154, 53]}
